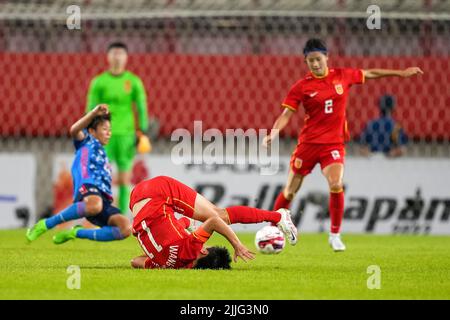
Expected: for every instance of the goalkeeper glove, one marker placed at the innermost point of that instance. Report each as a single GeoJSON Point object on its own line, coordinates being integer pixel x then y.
{"type": "Point", "coordinates": [143, 144]}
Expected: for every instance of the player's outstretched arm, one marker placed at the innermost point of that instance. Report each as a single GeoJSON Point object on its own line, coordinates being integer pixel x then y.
{"type": "Point", "coordinates": [217, 224]}
{"type": "Point", "coordinates": [278, 125]}
{"type": "Point", "coordinates": [76, 130]}
{"type": "Point", "coordinates": [380, 73]}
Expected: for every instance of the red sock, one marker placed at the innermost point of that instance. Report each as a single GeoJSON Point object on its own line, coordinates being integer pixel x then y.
{"type": "Point", "coordinates": [281, 202]}
{"type": "Point", "coordinates": [241, 214]}
{"type": "Point", "coordinates": [336, 207]}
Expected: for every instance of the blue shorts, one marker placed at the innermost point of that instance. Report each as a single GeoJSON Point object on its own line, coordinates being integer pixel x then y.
{"type": "Point", "coordinates": [100, 219]}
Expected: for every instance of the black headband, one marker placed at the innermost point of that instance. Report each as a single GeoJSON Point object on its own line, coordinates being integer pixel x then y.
{"type": "Point", "coordinates": [309, 50]}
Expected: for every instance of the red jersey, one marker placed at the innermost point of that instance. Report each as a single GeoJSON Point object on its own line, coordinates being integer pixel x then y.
{"type": "Point", "coordinates": [164, 240]}
{"type": "Point", "coordinates": [163, 191]}
{"type": "Point", "coordinates": [165, 247]}
{"type": "Point", "coordinates": [324, 100]}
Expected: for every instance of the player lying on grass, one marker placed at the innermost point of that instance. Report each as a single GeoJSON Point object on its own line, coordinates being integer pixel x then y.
{"type": "Point", "coordinates": [91, 173]}
{"type": "Point", "coordinates": [167, 243]}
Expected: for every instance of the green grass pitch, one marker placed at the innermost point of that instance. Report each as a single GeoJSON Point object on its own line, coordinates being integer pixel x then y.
{"type": "Point", "coordinates": [412, 267]}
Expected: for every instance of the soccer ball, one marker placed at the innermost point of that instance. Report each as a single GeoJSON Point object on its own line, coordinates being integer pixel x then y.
{"type": "Point", "coordinates": [269, 240]}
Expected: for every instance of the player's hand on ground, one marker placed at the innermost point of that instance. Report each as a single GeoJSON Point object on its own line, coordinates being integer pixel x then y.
{"type": "Point", "coordinates": [409, 72]}
{"type": "Point", "coordinates": [241, 251]}
{"type": "Point", "coordinates": [101, 110]}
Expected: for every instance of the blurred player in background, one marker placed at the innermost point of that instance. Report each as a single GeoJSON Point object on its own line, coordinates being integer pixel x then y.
{"type": "Point", "coordinates": [323, 93]}
{"type": "Point", "coordinates": [91, 174]}
{"type": "Point", "coordinates": [384, 134]}
{"type": "Point", "coordinates": [125, 95]}
{"type": "Point", "coordinates": [166, 242]}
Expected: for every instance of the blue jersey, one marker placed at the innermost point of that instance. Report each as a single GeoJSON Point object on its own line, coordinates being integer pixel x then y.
{"type": "Point", "coordinates": [91, 165]}
{"type": "Point", "coordinates": [383, 134]}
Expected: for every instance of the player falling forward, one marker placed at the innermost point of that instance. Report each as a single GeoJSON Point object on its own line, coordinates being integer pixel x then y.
{"type": "Point", "coordinates": [91, 173]}
{"type": "Point", "coordinates": [167, 243]}
{"type": "Point", "coordinates": [323, 93]}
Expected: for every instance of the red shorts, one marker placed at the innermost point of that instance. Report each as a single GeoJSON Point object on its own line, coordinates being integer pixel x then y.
{"type": "Point", "coordinates": [307, 155]}
{"type": "Point", "coordinates": [167, 196]}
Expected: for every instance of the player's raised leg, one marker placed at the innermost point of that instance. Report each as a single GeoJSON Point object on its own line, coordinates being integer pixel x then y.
{"type": "Point", "coordinates": [334, 174]}
{"type": "Point", "coordinates": [204, 210]}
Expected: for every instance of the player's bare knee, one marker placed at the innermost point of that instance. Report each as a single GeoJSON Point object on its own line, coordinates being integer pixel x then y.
{"type": "Point", "coordinates": [218, 212]}
{"type": "Point", "coordinates": [94, 206]}
{"type": "Point", "coordinates": [223, 214]}
{"type": "Point", "coordinates": [336, 186]}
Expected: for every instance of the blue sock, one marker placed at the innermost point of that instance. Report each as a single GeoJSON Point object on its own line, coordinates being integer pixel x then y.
{"type": "Point", "coordinates": [72, 212]}
{"type": "Point", "coordinates": [102, 234]}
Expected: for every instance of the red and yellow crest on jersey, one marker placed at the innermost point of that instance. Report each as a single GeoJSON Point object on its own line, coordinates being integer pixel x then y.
{"type": "Point", "coordinates": [339, 88]}
{"type": "Point", "coordinates": [298, 163]}
{"type": "Point", "coordinates": [127, 86]}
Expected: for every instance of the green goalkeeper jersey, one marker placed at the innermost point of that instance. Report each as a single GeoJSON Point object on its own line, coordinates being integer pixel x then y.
{"type": "Point", "coordinates": [119, 92]}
